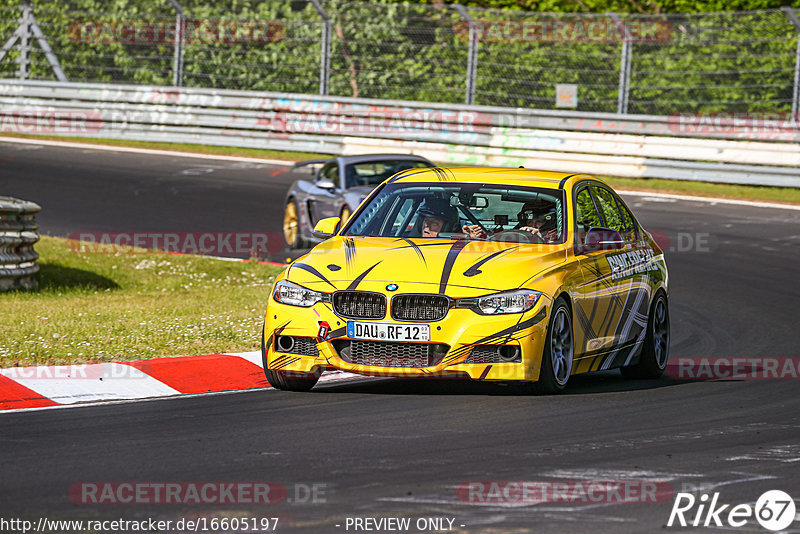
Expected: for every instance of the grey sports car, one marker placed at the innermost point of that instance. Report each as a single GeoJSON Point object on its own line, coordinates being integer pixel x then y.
{"type": "Point", "coordinates": [336, 189]}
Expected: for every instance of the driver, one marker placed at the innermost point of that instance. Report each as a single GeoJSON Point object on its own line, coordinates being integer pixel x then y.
{"type": "Point", "coordinates": [539, 218]}
{"type": "Point", "coordinates": [536, 216]}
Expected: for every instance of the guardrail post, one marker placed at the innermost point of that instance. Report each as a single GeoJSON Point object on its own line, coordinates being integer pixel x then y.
{"type": "Point", "coordinates": [180, 28]}
{"type": "Point", "coordinates": [624, 65]}
{"type": "Point", "coordinates": [792, 16]}
{"type": "Point", "coordinates": [17, 236]}
{"type": "Point", "coordinates": [325, 49]}
{"type": "Point", "coordinates": [472, 53]}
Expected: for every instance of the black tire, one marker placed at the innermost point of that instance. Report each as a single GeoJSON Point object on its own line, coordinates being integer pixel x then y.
{"type": "Point", "coordinates": [293, 239]}
{"type": "Point", "coordinates": [655, 351]}
{"type": "Point", "coordinates": [287, 380]}
{"type": "Point", "coordinates": [559, 350]}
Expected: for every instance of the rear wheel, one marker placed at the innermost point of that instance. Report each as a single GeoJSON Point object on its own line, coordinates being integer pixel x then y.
{"type": "Point", "coordinates": [558, 350]}
{"type": "Point", "coordinates": [656, 343]}
{"type": "Point", "coordinates": [291, 225]}
{"type": "Point", "coordinates": [287, 380]}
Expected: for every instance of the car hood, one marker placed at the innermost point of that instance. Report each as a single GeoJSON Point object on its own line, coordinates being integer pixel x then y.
{"type": "Point", "coordinates": [459, 268]}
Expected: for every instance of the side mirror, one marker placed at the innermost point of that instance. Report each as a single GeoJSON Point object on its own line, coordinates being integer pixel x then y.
{"type": "Point", "coordinates": [599, 238]}
{"type": "Point", "coordinates": [326, 184]}
{"type": "Point", "coordinates": [325, 228]}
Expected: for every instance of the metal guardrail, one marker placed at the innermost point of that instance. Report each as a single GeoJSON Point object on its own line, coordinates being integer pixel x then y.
{"type": "Point", "coordinates": [680, 147]}
{"type": "Point", "coordinates": [17, 236]}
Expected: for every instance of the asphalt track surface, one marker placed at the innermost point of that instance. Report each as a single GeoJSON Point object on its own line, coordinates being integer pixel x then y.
{"type": "Point", "coordinates": [393, 448]}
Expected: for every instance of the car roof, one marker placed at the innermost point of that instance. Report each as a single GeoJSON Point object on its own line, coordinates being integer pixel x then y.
{"type": "Point", "coordinates": [490, 175]}
{"type": "Point", "coordinates": [366, 158]}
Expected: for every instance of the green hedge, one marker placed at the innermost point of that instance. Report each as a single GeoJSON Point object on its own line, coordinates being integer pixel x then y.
{"type": "Point", "coordinates": [711, 62]}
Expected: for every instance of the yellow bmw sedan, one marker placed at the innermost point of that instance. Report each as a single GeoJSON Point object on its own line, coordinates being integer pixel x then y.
{"type": "Point", "coordinates": [475, 273]}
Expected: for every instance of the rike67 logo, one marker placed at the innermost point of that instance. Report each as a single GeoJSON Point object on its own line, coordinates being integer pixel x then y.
{"type": "Point", "coordinates": [774, 510]}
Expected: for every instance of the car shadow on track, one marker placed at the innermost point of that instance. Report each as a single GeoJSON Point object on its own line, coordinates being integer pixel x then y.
{"type": "Point", "coordinates": [601, 382]}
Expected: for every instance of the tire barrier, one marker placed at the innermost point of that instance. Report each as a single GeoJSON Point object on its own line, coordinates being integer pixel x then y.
{"type": "Point", "coordinates": [18, 234]}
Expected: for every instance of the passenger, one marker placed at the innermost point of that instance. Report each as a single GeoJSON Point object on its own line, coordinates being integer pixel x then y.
{"type": "Point", "coordinates": [435, 213]}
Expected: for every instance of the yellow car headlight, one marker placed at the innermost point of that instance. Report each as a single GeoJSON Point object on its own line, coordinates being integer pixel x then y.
{"type": "Point", "coordinates": [518, 301]}
{"type": "Point", "coordinates": [288, 293]}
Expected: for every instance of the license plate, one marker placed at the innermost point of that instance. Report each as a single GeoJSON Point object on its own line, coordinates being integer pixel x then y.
{"type": "Point", "coordinates": [388, 331]}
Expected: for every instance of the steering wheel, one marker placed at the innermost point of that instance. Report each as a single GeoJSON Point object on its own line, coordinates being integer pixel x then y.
{"type": "Point", "coordinates": [517, 236]}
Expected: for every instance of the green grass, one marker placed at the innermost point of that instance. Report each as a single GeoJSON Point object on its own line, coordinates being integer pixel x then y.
{"type": "Point", "coordinates": [93, 307]}
{"type": "Point", "coordinates": [788, 195]}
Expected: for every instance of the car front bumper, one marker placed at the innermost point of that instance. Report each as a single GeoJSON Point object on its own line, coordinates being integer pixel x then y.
{"type": "Point", "coordinates": [462, 330]}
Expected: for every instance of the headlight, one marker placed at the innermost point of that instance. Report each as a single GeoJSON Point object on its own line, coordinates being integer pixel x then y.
{"type": "Point", "coordinates": [518, 301]}
{"type": "Point", "coordinates": [288, 293]}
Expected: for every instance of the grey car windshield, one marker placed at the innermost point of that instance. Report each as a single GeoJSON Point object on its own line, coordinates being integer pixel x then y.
{"type": "Point", "coordinates": [375, 172]}
{"type": "Point", "coordinates": [404, 210]}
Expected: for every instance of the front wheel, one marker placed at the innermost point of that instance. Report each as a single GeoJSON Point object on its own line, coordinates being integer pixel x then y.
{"type": "Point", "coordinates": [287, 380]}
{"type": "Point", "coordinates": [558, 350]}
{"type": "Point", "coordinates": [655, 352]}
{"type": "Point", "coordinates": [290, 381]}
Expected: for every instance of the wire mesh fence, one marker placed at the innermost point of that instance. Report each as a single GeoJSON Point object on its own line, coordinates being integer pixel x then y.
{"type": "Point", "coordinates": [742, 61]}
{"type": "Point", "coordinates": [649, 64]}
{"type": "Point", "coordinates": [522, 57]}
{"type": "Point", "coordinates": [398, 51]}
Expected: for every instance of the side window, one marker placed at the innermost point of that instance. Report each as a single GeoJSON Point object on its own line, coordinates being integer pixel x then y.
{"type": "Point", "coordinates": [403, 217]}
{"type": "Point", "coordinates": [585, 214]}
{"type": "Point", "coordinates": [330, 172]}
{"type": "Point", "coordinates": [627, 218]}
{"type": "Point", "coordinates": [608, 207]}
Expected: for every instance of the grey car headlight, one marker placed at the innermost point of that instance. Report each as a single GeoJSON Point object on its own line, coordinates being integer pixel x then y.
{"type": "Point", "coordinates": [518, 301]}
{"type": "Point", "coordinates": [286, 292]}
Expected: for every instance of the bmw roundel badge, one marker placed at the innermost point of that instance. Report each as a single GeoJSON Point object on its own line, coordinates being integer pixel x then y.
{"type": "Point", "coordinates": [391, 287]}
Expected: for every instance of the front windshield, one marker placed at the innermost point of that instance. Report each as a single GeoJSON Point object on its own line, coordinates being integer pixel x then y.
{"type": "Point", "coordinates": [375, 172]}
{"type": "Point", "coordinates": [463, 211]}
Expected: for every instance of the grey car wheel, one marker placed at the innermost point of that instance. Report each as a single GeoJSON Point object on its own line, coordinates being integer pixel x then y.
{"type": "Point", "coordinates": [655, 351]}
{"type": "Point", "coordinates": [559, 350]}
